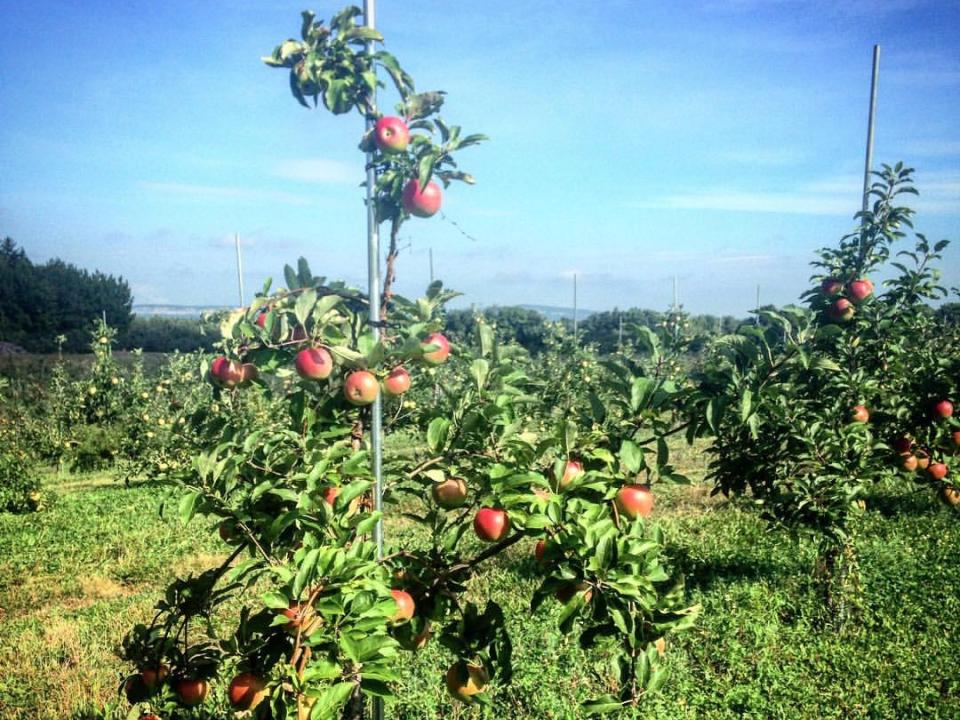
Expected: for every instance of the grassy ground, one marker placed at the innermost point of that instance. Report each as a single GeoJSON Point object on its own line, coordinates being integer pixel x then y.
{"type": "Point", "coordinates": [75, 577]}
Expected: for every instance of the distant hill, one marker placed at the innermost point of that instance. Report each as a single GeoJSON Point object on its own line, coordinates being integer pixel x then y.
{"type": "Point", "coordinates": [185, 311]}
{"type": "Point", "coordinates": [553, 313]}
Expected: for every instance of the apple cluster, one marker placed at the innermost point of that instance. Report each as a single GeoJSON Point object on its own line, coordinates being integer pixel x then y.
{"type": "Point", "coordinates": [926, 458]}
{"type": "Point", "coordinates": [845, 298]}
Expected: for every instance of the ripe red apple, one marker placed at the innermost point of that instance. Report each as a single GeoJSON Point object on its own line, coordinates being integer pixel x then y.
{"type": "Point", "coordinates": [942, 409]}
{"type": "Point", "coordinates": [227, 531]}
{"type": "Point", "coordinates": [491, 524]}
{"type": "Point", "coordinates": [313, 364]}
{"type": "Point", "coordinates": [361, 388]}
{"type": "Point", "coordinates": [246, 691]}
{"type": "Point", "coordinates": [405, 606]}
{"type": "Point", "coordinates": [440, 355]}
{"type": "Point", "coordinates": [937, 471]}
{"type": "Point", "coordinates": [571, 471]}
{"type": "Point", "coordinates": [565, 593]}
{"type": "Point", "coordinates": [909, 462]}
{"type": "Point", "coordinates": [149, 716]}
{"type": "Point", "coordinates": [229, 373]}
{"type": "Point", "coordinates": [464, 680]}
{"type": "Point", "coordinates": [902, 445]}
{"type": "Point", "coordinates": [216, 367]}
{"type": "Point", "coordinates": [634, 500]}
{"type": "Point", "coordinates": [330, 497]}
{"type": "Point", "coordinates": [135, 689]}
{"type": "Point", "coordinates": [859, 290]}
{"type": "Point", "coordinates": [391, 134]}
{"type": "Point", "coordinates": [841, 310]}
{"type": "Point", "coordinates": [923, 460]}
{"type": "Point", "coordinates": [298, 334]}
{"type": "Point", "coordinates": [191, 691]}
{"type": "Point", "coordinates": [421, 203]}
{"type": "Point", "coordinates": [248, 373]}
{"type": "Point", "coordinates": [397, 382]}
{"type": "Point", "coordinates": [261, 320]}
{"type": "Point", "coordinates": [956, 437]}
{"type": "Point", "coordinates": [859, 414]}
{"type": "Point", "coordinates": [539, 550]}
{"type": "Point", "coordinates": [831, 286]}
{"type": "Point", "coordinates": [450, 494]}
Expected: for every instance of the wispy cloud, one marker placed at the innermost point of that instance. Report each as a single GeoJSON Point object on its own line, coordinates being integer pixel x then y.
{"type": "Point", "coordinates": [319, 170]}
{"type": "Point", "coordinates": [838, 195]}
{"type": "Point", "coordinates": [221, 192]}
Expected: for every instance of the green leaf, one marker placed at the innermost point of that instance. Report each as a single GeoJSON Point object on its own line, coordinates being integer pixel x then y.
{"type": "Point", "coordinates": [437, 433]}
{"type": "Point", "coordinates": [480, 370]}
{"type": "Point", "coordinates": [188, 506]}
{"type": "Point", "coordinates": [329, 704]}
{"type": "Point", "coordinates": [631, 457]}
{"type": "Point", "coordinates": [304, 306]}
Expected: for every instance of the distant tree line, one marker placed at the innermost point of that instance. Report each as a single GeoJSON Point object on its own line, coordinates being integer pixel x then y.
{"type": "Point", "coordinates": [38, 303]}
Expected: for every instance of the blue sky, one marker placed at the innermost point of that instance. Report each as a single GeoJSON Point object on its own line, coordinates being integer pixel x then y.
{"type": "Point", "coordinates": [721, 142]}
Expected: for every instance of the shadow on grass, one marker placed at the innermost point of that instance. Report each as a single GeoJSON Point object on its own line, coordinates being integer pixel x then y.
{"type": "Point", "coordinates": [917, 502]}
{"type": "Point", "coordinates": [704, 572]}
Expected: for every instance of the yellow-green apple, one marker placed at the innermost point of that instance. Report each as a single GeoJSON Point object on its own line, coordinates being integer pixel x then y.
{"type": "Point", "coordinates": [450, 494]}
{"type": "Point", "coordinates": [950, 495]}
{"type": "Point", "coordinates": [361, 387]}
{"type": "Point", "coordinates": [391, 134]}
{"type": "Point", "coordinates": [464, 680]}
{"type": "Point", "coordinates": [246, 691]}
{"type": "Point", "coordinates": [421, 203]}
{"type": "Point", "coordinates": [859, 290]}
{"type": "Point", "coordinates": [635, 500]}
{"type": "Point", "coordinates": [442, 351]}
{"type": "Point", "coordinates": [491, 524]}
{"type": "Point", "coordinates": [909, 462]}
{"type": "Point", "coordinates": [397, 382]}
{"type": "Point", "coordinates": [571, 471]}
{"type": "Point", "coordinates": [314, 364]}
{"type": "Point", "coordinates": [923, 460]}
{"type": "Point", "coordinates": [661, 646]}
{"type": "Point", "coordinates": [405, 606]}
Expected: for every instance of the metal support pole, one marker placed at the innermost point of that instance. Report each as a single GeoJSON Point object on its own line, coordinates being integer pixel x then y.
{"type": "Point", "coordinates": [675, 295]}
{"type": "Point", "coordinates": [574, 308]}
{"type": "Point", "coordinates": [236, 241]}
{"type": "Point", "coordinates": [756, 318]}
{"type": "Point", "coordinates": [431, 266]}
{"type": "Point", "coordinates": [871, 119]}
{"type": "Point", "coordinates": [373, 285]}
{"type": "Point", "coordinates": [620, 334]}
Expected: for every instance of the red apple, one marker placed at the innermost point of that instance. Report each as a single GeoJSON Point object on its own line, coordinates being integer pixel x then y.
{"type": "Point", "coordinates": [571, 472]}
{"type": "Point", "coordinates": [902, 445]}
{"type": "Point", "coordinates": [859, 414]}
{"type": "Point", "coordinates": [831, 286]}
{"type": "Point", "coordinates": [937, 471]}
{"type": "Point", "coordinates": [956, 437]}
{"type": "Point", "coordinates": [301, 617]}
{"type": "Point", "coordinates": [942, 409]}
{"type": "Point", "coordinates": [923, 460]}
{"type": "Point", "coordinates": [391, 134]}
{"type": "Point", "coordinates": [491, 524]}
{"type": "Point", "coordinates": [149, 716]}
{"type": "Point", "coordinates": [192, 692]}
{"type": "Point", "coordinates": [135, 689]}
{"type": "Point", "coordinates": [950, 495]}
{"type": "Point", "coordinates": [405, 606]}
{"type": "Point", "coordinates": [909, 462]}
{"type": "Point", "coordinates": [248, 373]}
{"type": "Point", "coordinates": [153, 676]}
{"type": "Point", "coordinates": [261, 320]}
{"type": "Point", "coordinates": [539, 550]}
{"type": "Point", "coordinates": [464, 680]}
{"type": "Point", "coordinates": [216, 367]}
{"type": "Point", "coordinates": [361, 387]}
{"type": "Point", "coordinates": [859, 290]}
{"type": "Point", "coordinates": [227, 531]}
{"type": "Point", "coordinates": [421, 203]}
{"type": "Point", "coordinates": [330, 496]}
{"type": "Point", "coordinates": [397, 382]}
{"type": "Point", "coordinates": [450, 494]}
{"type": "Point", "coordinates": [634, 500]}
{"type": "Point", "coordinates": [440, 355]}
{"type": "Point", "coordinates": [841, 310]}
{"type": "Point", "coordinates": [246, 691]}
{"type": "Point", "coordinates": [314, 364]}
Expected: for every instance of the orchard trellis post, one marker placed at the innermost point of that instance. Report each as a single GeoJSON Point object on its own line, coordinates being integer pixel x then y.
{"type": "Point", "coordinates": [373, 285]}
{"type": "Point", "coordinates": [871, 119]}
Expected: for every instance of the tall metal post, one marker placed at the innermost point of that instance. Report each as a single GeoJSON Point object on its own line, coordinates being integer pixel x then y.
{"type": "Point", "coordinates": [675, 295]}
{"type": "Point", "coordinates": [373, 285]}
{"type": "Point", "coordinates": [620, 333]}
{"type": "Point", "coordinates": [871, 118]}
{"type": "Point", "coordinates": [431, 266]}
{"type": "Point", "coordinates": [756, 318]}
{"type": "Point", "coordinates": [574, 308]}
{"type": "Point", "coordinates": [236, 242]}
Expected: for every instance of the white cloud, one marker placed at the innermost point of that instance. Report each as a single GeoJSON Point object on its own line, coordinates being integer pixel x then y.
{"type": "Point", "coordinates": [320, 170]}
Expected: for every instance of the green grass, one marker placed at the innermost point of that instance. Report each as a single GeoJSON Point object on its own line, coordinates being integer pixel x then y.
{"type": "Point", "coordinates": [76, 576]}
